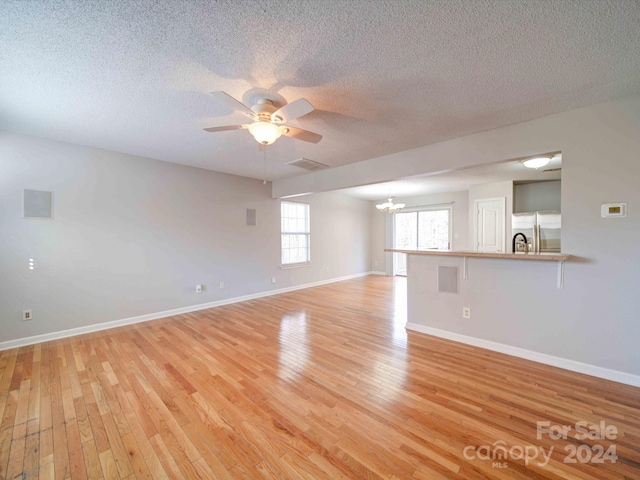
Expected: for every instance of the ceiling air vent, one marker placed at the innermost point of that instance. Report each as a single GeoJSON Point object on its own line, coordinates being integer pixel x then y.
{"type": "Point", "coordinates": [552, 170]}
{"type": "Point", "coordinates": [308, 164]}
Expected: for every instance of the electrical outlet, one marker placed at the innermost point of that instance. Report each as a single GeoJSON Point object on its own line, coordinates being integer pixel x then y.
{"type": "Point", "coordinates": [221, 285]}
{"type": "Point", "coordinates": [273, 279]}
{"type": "Point", "coordinates": [466, 312]}
{"type": "Point", "coordinates": [198, 288]}
{"type": "Point", "coordinates": [375, 263]}
{"type": "Point", "coordinates": [27, 315]}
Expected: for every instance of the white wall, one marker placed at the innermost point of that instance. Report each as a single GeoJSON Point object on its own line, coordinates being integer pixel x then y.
{"type": "Point", "coordinates": [486, 191]}
{"type": "Point", "coordinates": [537, 196]}
{"type": "Point", "coordinates": [133, 236]}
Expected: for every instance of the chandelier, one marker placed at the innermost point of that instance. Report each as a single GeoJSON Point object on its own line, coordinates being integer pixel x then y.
{"type": "Point", "coordinates": [389, 206]}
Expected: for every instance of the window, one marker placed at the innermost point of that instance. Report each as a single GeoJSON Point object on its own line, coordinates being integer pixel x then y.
{"type": "Point", "coordinates": [423, 230]}
{"type": "Point", "coordinates": [295, 231]}
{"type": "Point", "coordinates": [433, 230]}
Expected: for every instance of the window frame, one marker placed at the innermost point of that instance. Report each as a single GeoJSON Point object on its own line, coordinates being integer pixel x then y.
{"type": "Point", "coordinates": [306, 233]}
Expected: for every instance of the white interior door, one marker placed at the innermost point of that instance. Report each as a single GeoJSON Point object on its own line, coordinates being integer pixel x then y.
{"type": "Point", "coordinates": [490, 224]}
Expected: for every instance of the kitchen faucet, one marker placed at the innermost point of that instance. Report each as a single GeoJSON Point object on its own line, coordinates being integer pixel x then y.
{"type": "Point", "coordinates": [513, 244]}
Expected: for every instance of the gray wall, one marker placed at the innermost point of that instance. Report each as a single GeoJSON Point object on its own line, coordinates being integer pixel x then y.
{"type": "Point", "coordinates": [378, 239]}
{"type": "Point", "coordinates": [595, 318]}
{"type": "Point", "coordinates": [537, 196]}
{"type": "Point", "coordinates": [133, 236]}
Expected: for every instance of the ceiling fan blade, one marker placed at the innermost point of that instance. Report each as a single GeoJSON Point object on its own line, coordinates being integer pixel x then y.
{"type": "Point", "coordinates": [233, 103]}
{"type": "Point", "coordinates": [224, 128]}
{"type": "Point", "coordinates": [301, 134]}
{"type": "Point", "coordinates": [292, 110]}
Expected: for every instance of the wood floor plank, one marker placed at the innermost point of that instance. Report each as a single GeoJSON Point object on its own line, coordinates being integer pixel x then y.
{"type": "Point", "coordinates": [108, 463]}
{"type": "Point", "coordinates": [140, 469]}
{"type": "Point", "coordinates": [31, 453]}
{"type": "Point", "coordinates": [318, 383]}
{"type": "Point", "coordinates": [166, 458]}
{"type": "Point", "coordinates": [91, 459]}
{"type": "Point", "coordinates": [16, 455]}
{"type": "Point", "coordinates": [5, 449]}
{"type": "Point", "coordinates": [98, 431]}
{"type": "Point", "coordinates": [141, 439]}
{"type": "Point", "coordinates": [118, 450]}
{"type": "Point", "coordinates": [46, 457]}
{"type": "Point", "coordinates": [76, 457]}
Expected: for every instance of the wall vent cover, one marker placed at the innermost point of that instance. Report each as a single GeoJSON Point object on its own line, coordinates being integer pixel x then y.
{"type": "Point", "coordinates": [447, 279]}
{"type": "Point", "coordinates": [37, 204]}
{"type": "Point", "coordinates": [308, 164]}
{"type": "Point", "coordinates": [251, 217]}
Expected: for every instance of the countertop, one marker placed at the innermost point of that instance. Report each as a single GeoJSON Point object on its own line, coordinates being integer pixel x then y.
{"type": "Point", "coordinates": [549, 257]}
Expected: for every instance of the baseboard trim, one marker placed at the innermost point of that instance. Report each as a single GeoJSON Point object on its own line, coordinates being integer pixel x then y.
{"type": "Point", "coordinates": [72, 332]}
{"type": "Point", "coordinates": [377, 272]}
{"type": "Point", "coordinates": [565, 363]}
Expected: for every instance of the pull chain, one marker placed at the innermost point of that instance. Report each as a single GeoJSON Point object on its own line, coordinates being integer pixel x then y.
{"type": "Point", "coordinates": [264, 149]}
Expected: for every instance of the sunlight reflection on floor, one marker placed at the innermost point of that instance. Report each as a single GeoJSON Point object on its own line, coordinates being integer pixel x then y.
{"type": "Point", "coordinates": [390, 371]}
{"type": "Point", "coordinates": [294, 345]}
{"type": "Point", "coordinates": [387, 368]}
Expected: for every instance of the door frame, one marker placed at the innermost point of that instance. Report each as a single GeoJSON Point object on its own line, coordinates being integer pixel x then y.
{"type": "Point", "coordinates": [503, 200]}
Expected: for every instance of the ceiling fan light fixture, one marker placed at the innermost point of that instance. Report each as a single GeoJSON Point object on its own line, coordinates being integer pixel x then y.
{"type": "Point", "coordinates": [264, 132]}
{"type": "Point", "coordinates": [537, 162]}
{"type": "Point", "coordinates": [266, 128]}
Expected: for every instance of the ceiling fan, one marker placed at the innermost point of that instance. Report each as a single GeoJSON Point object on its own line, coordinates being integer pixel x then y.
{"type": "Point", "coordinates": [267, 119]}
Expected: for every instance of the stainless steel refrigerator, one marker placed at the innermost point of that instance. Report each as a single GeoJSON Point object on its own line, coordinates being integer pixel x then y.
{"type": "Point", "coordinates": [542, 230]}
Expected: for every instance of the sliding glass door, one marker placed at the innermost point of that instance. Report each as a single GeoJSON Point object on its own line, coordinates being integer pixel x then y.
{"type": "Point", "coordinates": [428, 229]}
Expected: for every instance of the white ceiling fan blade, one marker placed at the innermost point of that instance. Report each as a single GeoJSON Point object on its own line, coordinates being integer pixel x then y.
{"type": "Point", "coordinates": [224, 128]}
{"type": "Point", "coordinates": [292, 110]}
{"type": "Point", "coordinates": [301, 134]}
{"type": "Point", "coordinates": [233, 103]}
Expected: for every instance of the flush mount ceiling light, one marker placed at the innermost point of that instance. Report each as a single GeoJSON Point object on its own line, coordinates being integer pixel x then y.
{"type": "Point", "coordinates": [390, 207]}
{"type": "Point", "coordinates": [537, 162]}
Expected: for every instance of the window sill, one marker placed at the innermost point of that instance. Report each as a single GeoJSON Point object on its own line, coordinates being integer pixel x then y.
{"type": "Point", "coordinates": [294, 265]}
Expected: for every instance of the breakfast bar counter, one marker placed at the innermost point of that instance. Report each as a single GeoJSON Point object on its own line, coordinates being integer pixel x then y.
{"type": "Point", "coordinates": [549, 257]}
{"type": "Point", "coordinates": [560, 258]}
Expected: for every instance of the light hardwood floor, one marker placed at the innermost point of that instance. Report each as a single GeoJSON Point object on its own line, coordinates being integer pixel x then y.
{"type": "Point", "coordinates": [318, 383]}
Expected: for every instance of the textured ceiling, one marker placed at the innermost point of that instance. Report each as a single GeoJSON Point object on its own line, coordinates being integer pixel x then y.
{"type": "Point", "coordinates": [384, 76]}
